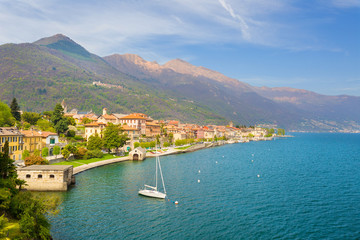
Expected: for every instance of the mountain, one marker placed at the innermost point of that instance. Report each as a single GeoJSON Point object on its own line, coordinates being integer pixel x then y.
{"type": "Point", "coordinates": [294, 109]}
{"type": "Point", "coordinates": [42, 73]}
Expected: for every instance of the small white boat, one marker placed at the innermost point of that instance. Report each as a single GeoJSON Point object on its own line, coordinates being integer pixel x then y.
{"type": "Point", "coordinates": [150, 191]}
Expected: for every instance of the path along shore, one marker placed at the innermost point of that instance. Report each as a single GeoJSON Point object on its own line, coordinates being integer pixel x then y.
{"type": "Point", "coordinates": [170, 151]}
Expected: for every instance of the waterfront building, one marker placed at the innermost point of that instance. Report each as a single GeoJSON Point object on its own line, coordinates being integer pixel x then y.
{"type": "Point", "coordinates": [152, 129]}
{"type": "Point", "coordinates": [93, 128]}
{"type": "Point", "coordinates": [138, 153]}
{"type": "Point", "coordinates": [50, 140]}
{"type": "Point", "coordinates": [47, 177]}
{"type": "Point", "coordinates": [32, 140]}
{"type": "Point", "coordinates": [135, 120]}
{"type": "Point", "coordinates": [15, 139]}
{"type": "Point", "coordinates": [133, 135]}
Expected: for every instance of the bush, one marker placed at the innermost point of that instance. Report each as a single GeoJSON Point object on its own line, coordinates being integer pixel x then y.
{"type": "Point", "coordinates": [78, 138]}
{"type": "Point", "coordinates": [56, 150]}
{"type": "Point", "coordinates": [35, 160]}
{"type": "Point", "coordinates": [70, 133]}
{"type": "Point", "coordinates": [95, 154]}
{"type": "Point", "coordinates": [81, 153]}
{"type": "Point", "coordinates": [136, 144]}
{"type": "Point", "coordinates": [26, 153]}
{"type": "Point", "coordinates": [166, 144]}
{"type": "Point", "coordinates": [45, 152]}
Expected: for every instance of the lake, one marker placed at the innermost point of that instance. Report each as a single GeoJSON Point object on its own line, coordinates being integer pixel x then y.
{"type": "Point", "coordinates": [305, 187]}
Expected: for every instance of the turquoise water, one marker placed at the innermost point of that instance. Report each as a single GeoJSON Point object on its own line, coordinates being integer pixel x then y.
{"type": "Point", "coordinates": [306, 187]}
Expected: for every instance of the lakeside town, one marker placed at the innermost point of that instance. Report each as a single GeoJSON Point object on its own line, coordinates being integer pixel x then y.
{"type": "Point", "coordinates": [137, 129]}
{"type": "Point", "coordinates": [44, 152]}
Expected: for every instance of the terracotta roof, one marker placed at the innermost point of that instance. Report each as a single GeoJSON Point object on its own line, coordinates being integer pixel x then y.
{"type": "Point", "coordinates": [109, 117]}
{"type": "Point", "coordinates": [9, 131]}
{"type": "Point", "coordinates": [95, 124]}
{"type": "Point", "coordinates": [46, 134]}
{"type": "Point", "coordinates": [135, 116]}
{"type": "Point", "coordinates": [30, 133]}
{"type": "Point", "coordinates": [152, 124]}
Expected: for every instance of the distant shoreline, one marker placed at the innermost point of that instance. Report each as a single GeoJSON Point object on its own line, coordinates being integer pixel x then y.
{"type": "Point", "coordinates": [193, 148]}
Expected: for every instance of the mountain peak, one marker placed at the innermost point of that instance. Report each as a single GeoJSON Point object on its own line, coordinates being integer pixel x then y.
{"type": "Point", "coordinates": [64, 44]}
{"type": "Point", "coordinates": [53, 39]}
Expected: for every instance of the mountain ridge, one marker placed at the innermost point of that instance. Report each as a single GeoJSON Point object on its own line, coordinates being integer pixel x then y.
{"type": "Point", "coordinates": [59, 67]}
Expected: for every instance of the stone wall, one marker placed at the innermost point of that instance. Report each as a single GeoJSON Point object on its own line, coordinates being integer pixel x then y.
{"type": "Point", "coordinates": [46, 177]}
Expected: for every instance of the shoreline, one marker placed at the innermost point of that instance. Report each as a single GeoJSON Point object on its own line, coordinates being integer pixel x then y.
{"type": "Point", "coordinates": [192, 148]}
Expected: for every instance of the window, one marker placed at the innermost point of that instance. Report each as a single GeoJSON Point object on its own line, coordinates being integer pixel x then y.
{"type": "Point", "coordinates": [52, 176]}
{"type": "Point", "coordinates": [52, 140]}
{"type": "Point", "coordinates": [39, 176]}
{"type": "Point", "coordinates": [28, 176]}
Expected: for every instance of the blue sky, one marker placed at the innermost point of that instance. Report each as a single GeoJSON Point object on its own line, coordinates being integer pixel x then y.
{"type": "Point", "coordinates": [313, 45]}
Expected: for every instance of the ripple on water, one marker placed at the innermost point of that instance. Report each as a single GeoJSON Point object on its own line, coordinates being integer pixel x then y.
{"type": "Point", "coordinates": [308, 189]}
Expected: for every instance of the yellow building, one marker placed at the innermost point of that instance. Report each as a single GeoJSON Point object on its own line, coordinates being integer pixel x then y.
{"type": "Point", "coordinates": [15, 139]}
{"type": "Point", "coordinates": [93, 128]}
{"type": "Point", "coordinates": [32, 140]}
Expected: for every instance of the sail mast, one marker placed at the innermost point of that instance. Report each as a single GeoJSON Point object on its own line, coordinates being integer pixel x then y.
{"type": "Point", "coordinates": [162, 178]}
{"type": "Point", "coordinates": [156, 180]}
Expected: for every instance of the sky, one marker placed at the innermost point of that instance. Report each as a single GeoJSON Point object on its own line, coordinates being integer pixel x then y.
{"type": "Point", "coordinates": [306, 44]}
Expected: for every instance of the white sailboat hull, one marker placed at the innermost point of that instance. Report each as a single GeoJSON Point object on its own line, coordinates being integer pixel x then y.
{"type": "Point", "coordinates": [152, 193]}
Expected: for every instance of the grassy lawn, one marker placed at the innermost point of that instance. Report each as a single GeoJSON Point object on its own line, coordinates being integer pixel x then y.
{"type": "Point", "coordinates": [183, 148]}
{"type": "Point", "coordinates": [79, 162]}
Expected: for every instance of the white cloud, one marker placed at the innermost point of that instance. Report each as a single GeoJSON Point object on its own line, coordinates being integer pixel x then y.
{"type": "Point", "coordinates": [123, 26]}
{"type": "Point", "coordinates": [346, 3]}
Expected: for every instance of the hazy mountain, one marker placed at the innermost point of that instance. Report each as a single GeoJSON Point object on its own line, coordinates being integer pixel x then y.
{"type": "Point", "coordinates": [293, 108]}
{"type": "Point", "coordinates": [42, 73]}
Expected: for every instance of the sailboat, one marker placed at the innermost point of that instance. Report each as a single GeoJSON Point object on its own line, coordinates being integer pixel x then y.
{"type": "Point", "coordinates": [150, 191]}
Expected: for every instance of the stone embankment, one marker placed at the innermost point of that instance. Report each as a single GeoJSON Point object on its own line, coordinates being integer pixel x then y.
{"type": "Point", "coordinates": [98, 164]}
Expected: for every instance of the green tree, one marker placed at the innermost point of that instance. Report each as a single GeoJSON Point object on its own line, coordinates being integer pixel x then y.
{"type": "Point", "coordinates": [71, 121]}
{"type": "Point", "coordinates": [25, 154]}
{"type": "Point", "coordinates": [31, 117]}
{"type": "Point", "coordinates": [61, 126]}
{"type": "Point", "coordinates": [59, 121]}
{"type": "Point", "coordinates": [47, 114]}
{"type": "Point", "coordinates": [7, 168]}
{"type": "Point", "coordinates": [6, 118]}
{"type": "Point", "coordinates": [15, 110]}
{"type": "Point", "coordinates": [45, 125]}
{"type": "Point", "coordinates": [86, 120]}
{"type": "Point", "coordinates": [113, 137]}
{"type": "Point", "coordinates": [68, 150]}
{"type": "Point", "coordinates": [136, 144]}
{"type": "Point", "coordinates": [56, 150]}
{"type": "Point", "coordinates": [58, 114]}
{"type": "Point", "coordinates": [281, 131]}
{"type": "Point", "coordinates": [94, 142]}
{"type": "Point", "coordinates": [166, 144]}
{"type": "Point", "coordinates": [33, 223]}
{"type": "Point", "coordinates": [157, 139]}
{"type": "Point", "coordinates": [45, 152]}
{"type": "Point", "coordinates": [171, 137]}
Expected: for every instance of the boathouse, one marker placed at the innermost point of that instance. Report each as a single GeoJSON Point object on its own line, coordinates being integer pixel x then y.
{"type": "Point", "coordinates": [138, 153]}
{"type": "Point", "coordinates": [47, 177]}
